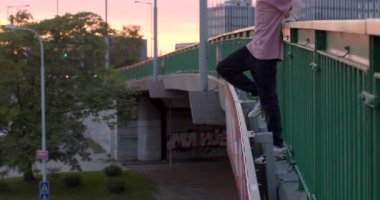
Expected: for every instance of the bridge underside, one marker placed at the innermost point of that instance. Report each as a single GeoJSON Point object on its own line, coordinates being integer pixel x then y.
{"type": "Point", "coordinates": [174, 118]}
{"type": "Point", "coordinates": [182, 91]}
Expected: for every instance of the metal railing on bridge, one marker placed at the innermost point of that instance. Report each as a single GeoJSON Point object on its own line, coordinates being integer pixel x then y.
{"type": "Point", "coordinates": [186, 60]}
{"type": "Point", "coordinates": [329, 98]}
{"type": "Point", "coordinates": [329, 88]}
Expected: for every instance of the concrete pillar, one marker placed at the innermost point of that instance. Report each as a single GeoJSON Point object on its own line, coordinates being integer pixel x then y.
{"type": "Point", "coordinates": [148, 131]}
{"type": "Point", "coordinates": [127, 141]}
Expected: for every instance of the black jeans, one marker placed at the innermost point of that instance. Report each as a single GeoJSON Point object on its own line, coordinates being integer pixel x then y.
{"type": "Point", "coordinates": [263, 72]}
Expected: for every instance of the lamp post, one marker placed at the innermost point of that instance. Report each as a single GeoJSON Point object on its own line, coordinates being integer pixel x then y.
{"type": "Point", "coordinates": [43, 124]}
{"type": "Point", "coordinates": [203, 35]}
{"type": "Point", "coordinates": [151, 23]}
{"type": "Point", "coordinates": [57, 7]}
{"type": "Point", "coordinates": [155, 59]}
{"type": "Point", "coordinates": [18, 6]}
{"type": "Point", "coordinates": [106, 39]}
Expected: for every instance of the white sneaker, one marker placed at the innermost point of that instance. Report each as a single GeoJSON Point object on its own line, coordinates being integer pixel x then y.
{"type": "Point", "coordinates": [260, 160]}
{"type": "Point", "coordinates": [279, 153]}
{"type": "Point", "coordinates": [256, 111]}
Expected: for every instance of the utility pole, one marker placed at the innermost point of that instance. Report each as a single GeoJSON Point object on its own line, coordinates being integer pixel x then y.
{"type": "Point", "coordinates": [155, 59]}
{"type": "Point", "coordinates": [57, 7]}
{"type": "Point", "coordinates": [203, 36]}
{"type": "Point", "coordinates": [106, 40]}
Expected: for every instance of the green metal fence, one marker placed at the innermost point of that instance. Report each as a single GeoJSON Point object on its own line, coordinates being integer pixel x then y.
{"type": "Point", "coordinates": [296, 92]}
{"type": "Point", "coordinates": [187, 60]}
{"type": "Point", "coordinates": [375, 64]}
{"type": "Point", "coordinates": [330, 116]}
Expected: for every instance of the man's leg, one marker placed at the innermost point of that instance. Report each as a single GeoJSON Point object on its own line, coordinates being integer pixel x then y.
{"type": "Point", "coordinates": [264, 74]}
{"type": "Point", "coordinates": [232, 68]}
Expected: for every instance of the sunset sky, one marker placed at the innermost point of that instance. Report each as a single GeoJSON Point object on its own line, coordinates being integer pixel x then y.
{"type": "Point", "coordinates": [178, 20]}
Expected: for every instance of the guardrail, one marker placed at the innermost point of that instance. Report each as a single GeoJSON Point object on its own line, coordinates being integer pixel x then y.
{"type": "Point", "coordinates": [186, 60]}
{"type": "Point", "coordinates": [239, 148]}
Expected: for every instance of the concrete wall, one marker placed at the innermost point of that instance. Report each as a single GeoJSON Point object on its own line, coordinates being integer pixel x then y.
{"type": "Point", "coordinates": [148, 131]}
{"type": "Point", "coordinates": [127, 141]}
{"type": "Point", "coordinates": [101, 133]}
{"type": "Point", "coordinates": [187, 140]}
{"type": "Point", "coordinates": [139, 140]}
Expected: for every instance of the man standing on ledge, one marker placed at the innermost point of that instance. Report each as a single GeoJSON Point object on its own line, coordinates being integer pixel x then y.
{"type": "Point", "coordinates": [260, 57]}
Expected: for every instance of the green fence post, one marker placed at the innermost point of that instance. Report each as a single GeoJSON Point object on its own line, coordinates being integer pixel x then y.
{"type": "Point", "coordinates": [320, 45]}
{"type": "Point", "coordinates": [321, 40]}
{"type": "Point", "coordinates": [293, 35]}
{"type": "Point", "coordinates": [375, 72]}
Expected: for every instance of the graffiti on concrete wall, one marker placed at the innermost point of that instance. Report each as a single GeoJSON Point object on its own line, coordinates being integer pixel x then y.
{"type": "Point", "coordinates": [204, 140]}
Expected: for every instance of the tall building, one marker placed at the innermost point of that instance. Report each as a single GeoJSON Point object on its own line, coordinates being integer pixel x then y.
{"type": "Point", "coordinates": [340, 9]}
{"type": "Point", "coordinates": [143, 53]}
{"type": "Point", "coordinates": [230, 15]}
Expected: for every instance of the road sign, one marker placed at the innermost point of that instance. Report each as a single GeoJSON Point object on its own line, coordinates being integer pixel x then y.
{"type": "Point", "coordinates": [44, 197]}
{"type": "Point", "coordinates": [42, 155]}
{"type": "Point", "coordinates": [44, 190]}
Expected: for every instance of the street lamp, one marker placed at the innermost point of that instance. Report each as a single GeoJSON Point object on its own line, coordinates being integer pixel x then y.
{"type": "Point", "coordinates": [203, 35]}
{"type": "Point", "coordinates": [155, 59]}
{"type": "Point", "coordinates": [18, 6]}
{"type": "Point", "coordinates": [57, 7]}
{"type": "Point", "coordinates": [106, 40]}
{"type": "Point", "coordinates": [43, 124]}
{"type": "Point", "coordinates": [151, 23]}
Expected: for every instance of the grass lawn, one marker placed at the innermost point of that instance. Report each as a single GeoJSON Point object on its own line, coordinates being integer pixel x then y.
{"type": "Point", "coordinates": [93, 187]}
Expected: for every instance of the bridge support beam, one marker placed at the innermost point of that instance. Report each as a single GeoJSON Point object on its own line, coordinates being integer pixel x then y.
{"type": "Point", "coordinates": [205, 108]}
{"type": "Point", "coordinates": [157, 90]}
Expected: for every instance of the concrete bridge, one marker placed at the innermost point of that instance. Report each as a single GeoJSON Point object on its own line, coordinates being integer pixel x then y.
{"type": "Point", "coordinates": [329, 87]}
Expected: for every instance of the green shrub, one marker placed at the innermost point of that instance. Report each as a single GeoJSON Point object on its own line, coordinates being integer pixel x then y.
{"type": "Point", "coordinates": [54, 172]}
{"type": "Point", "coordinates": [115, 185]}
{"type": "Point", "coordinates": [72, 180]}
{"type": "Point", "coordinates": [113, 170]}
{"type": "Point", "coordinates": [3, 174]}
{"type": "Point", "coordinates": [3, 186]}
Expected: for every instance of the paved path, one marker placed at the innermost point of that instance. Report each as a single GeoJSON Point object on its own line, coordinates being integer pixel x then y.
{"type": "Point", "coordinates": [191, 180]}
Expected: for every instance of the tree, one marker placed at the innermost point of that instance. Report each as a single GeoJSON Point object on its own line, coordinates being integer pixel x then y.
{"type": "Point", "coordinates": [126, 46]}
{"type": "Point", "coordinates": [21, 18]}
{"type": "Point", "coordinates": [77, 86]}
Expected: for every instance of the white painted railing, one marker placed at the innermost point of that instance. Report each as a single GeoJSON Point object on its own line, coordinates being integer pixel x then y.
{"type": "Point", "coordinates": [239, 148]}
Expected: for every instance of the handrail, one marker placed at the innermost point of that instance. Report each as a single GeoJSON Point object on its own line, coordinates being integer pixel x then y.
{"type": "Point", "coordinates": [365, 27]}
{"type": "Point", "coordinates": [239, 148]}
{"type": "Point", "coordinates": [248, 32]}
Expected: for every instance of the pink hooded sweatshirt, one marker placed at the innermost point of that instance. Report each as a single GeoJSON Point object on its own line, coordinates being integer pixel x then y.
{"type": "Point", "coordinates": [267, 42]}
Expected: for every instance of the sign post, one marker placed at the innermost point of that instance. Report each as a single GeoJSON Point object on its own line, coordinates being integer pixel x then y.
{"type": "Point", "coordinates": [44, 190]}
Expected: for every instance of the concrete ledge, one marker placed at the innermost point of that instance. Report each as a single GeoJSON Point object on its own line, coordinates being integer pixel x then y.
{"type": "Point", "coordinates": [347, 26]}
{"type": "Point", "coordinates": [365, 27]}
{"type": "Point", "coordinates": [300, 25]}
{"type": "Point", "coordinates": [182, 82]}
{"type": "Point", "coordinates": [373, 27]}
{"type": "Point", "coordinates": [187, 82]}
{"type": "Point", "coordinates": [288, 188]}
{"type": "Point", "coordinates": [289, 191]}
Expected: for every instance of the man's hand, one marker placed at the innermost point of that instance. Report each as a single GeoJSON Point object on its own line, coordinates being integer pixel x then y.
{"type": "Point", "coordinates": [290, 18]}
{"type": "Point", "coordinates": [294, 12]}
